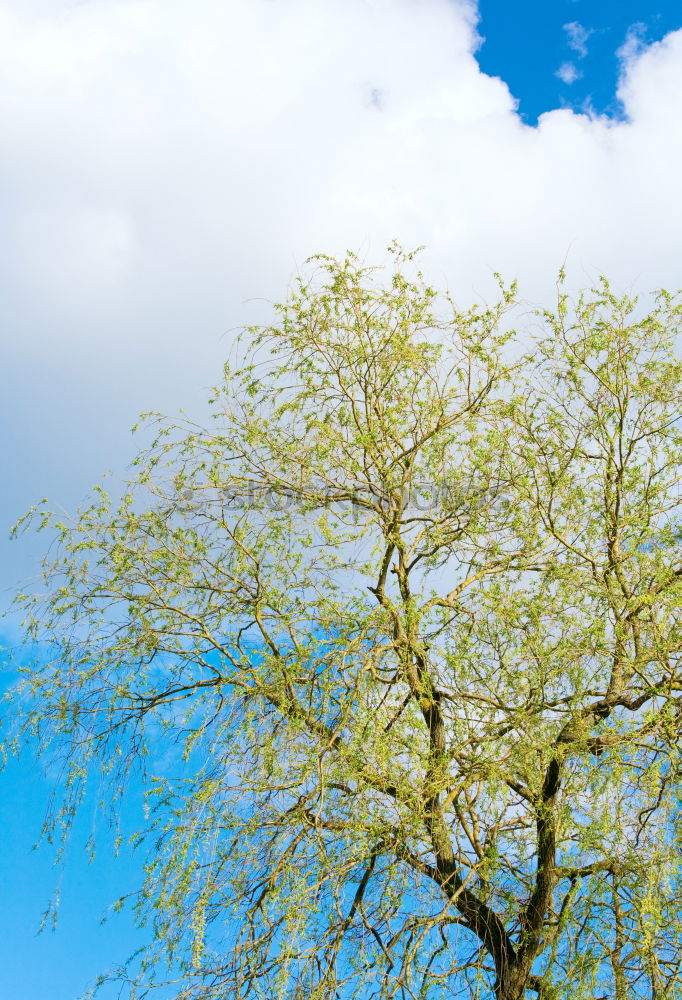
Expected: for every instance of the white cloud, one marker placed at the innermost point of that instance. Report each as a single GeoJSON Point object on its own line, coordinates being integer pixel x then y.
{"type": "Point", "coordinates": [76, 252]}
{"type": "Point", "coordinates": [578, 36]}
{"type": "Point", "coordinates": [634, 44]}
{"type": "Point", "coordinates": [163, 163]}
{"type": "Point", "coordinates": [568, 73]}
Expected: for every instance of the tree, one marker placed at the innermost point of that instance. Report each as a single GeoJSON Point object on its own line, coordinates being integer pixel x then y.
{"type": "Point", "coordinates": [406, 618]}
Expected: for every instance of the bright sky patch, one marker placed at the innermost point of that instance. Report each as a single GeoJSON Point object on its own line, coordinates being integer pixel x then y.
{"type": "Point", "coordinates": [568, 53]}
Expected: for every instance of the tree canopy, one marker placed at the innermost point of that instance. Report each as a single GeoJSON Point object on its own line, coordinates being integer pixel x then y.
{"type": "Point", "coordinates": [405, 621]}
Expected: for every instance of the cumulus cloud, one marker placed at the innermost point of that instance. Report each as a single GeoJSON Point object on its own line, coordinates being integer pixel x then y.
{"type": "Point", "coordinates": [165, 165]}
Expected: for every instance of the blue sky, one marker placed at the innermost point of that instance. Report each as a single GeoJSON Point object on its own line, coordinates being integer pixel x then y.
{"type": "Point", "coordinates": [60, 963]}
{"type": "Point", "coordinates": [564, 53]}
{"type": "Point", "coordinates": [167, 166]}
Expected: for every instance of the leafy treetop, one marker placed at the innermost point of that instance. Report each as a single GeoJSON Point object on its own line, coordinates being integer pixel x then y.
{"type": "Point", "coordinates": [405, 621]}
